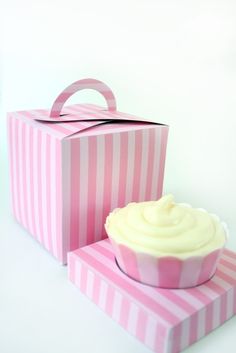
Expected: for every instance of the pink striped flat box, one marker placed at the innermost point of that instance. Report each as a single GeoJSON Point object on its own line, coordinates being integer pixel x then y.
{"type": "Point", "coordinates": [165, 320]}
{"type": "Point", "coordinates": [68, 171]}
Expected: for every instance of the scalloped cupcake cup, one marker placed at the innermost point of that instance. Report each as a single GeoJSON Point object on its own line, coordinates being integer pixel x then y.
{"type": "Point", "coordinates": [166, 271]}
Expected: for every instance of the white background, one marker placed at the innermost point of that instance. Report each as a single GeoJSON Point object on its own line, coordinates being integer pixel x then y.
{"type": "Point", "coordinates": [172, 61]}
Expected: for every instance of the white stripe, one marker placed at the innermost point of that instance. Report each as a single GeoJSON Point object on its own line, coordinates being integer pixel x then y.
{"type": "Point", "coordinates": [221, 283]}
{"type": "Point", "coordinates": [44, 155]}
{"type": "Point", "coordinates": [144, 165]}
{"type": "Point", "coordinates": [193, 301]}
{"type": "Point", "coordinates": [185, 333]}
{"type": "Point", "coordinates": [210, 293]}
{"type": "Point", "coordinates": [21, 186]}
{"type": "Point", "coordinates": [116, 310]}
{"type": "Point", "coordinates": [114, 128]}
{"type": "Point", "coordinates": [196, 268]}
{"type": "Point", "coordinates": [38, 125]}
{"type": "Point", "coordinates": [10, 148]}
{"type": "Point", "coordinates": [160, 297]}
{"type": "Point", "coordinates": [115, 171]}
{"type": "Point", "coordinates": [103, 295]}
{"type": "Point", "coordinates": [201, 323]}
{"type": "Point", "coordinates": [15, 171]}
{"type": "Point", "coordinates": [230, 303]}
{"type": "Point", "coordinates": [227, 271]}
{"type": "Point", "coordinates": [99, 187]}
{"type": "Point", "coordinates": [36, 183]}
{"type": "Point", "coordinates": [66, 186]}
{"type": "Point", "coordinates": [216, 313]}
{"type": "Point", "coordinates": [36, 115]}
{"type": "Point", "coordinates": [89, 284]}
{"type": "Point", "coordinates": [169, 342]}
{"type": "Point", "coordinates": [156, 163]}
{"type": "Point", "coordinates": [132, 318]}
{"type": "Point", "coordinates": [130, 166]}
{"type": "Point", "coordinates": [28, 185]}
{"type": "Point", "coordinates": [53, 190]}
{"type": "Point", "coordinates": [151, 271]}
{"type": "Point", "coordinates": [150, 332]}
{"type": "Point", "coordinates": [83, 197]}
{"type": "Point", "coordinates": [229, 259]}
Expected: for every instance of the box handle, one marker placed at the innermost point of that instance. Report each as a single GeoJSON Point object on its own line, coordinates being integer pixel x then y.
{"type": "Point", "coordinates": [87, 83]}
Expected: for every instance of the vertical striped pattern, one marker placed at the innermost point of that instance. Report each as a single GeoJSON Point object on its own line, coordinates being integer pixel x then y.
{"type": "Point", "coordinates": [167, 321]}
{"type": "Point", "coordinates": [64, 186]}
{"type": "Point", "coordinates": [108, 171]}
{"type": "Point", "coordinates": [36, 182]}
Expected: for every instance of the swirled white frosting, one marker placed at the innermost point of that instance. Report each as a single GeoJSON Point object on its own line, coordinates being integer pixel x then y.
{"type": "Point", "coordinates": [164, 228]}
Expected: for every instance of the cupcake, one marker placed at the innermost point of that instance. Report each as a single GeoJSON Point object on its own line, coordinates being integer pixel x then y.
{"type": "Point", "coordinates": [165, 244]}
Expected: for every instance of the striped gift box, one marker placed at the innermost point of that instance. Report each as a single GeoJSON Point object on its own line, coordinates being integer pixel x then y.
{"type": "Point", "coordinates": [166, 320]}
{"type": "Point", "coordinates": [69, 170]}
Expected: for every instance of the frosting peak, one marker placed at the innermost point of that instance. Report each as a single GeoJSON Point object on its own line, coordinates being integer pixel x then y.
{"type": "Point", "coordinates": [165, 228]}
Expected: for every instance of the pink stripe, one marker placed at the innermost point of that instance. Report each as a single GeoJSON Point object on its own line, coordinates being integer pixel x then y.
{"type": "Point", "coordinates": [137, 165]}
{"type": "Point", "coordinates": [129, 260]}
{"type": "Point", "coordinates": [182, 303]}
{"type": "Point", "coordinates": [164, 135]}
{"type": "Point", "coordinates": [124, 282]}
{"type": "Point", "coordinates": [141, 325]}
{"type": "Point", "coordinates": [172, 278]}
{"type": "Point", "coordinates": [228, 264]}
{"type": "Point", "coordinates": [31, 180]}
{"type": "Point", "coordinates": [110, 300]}
{"type": "Point", "coordinates": [107, 178]}
{"type": "Point", "coordinates": [53, 127]}
{"type": "Point", "coordinates": [209, 318]}
{"type": "Point", "coordinates": [39, 159]}
{"type": "Point", "coordinates": [223, 308]}
{"type": "Point", "coordinates": [148, 192]}
{"type": "Point", "coordinates": [123, 169]}
{"type": "Point", "coordinates": [230, 253]}
{"type": "Point", "coordinates": [124, 313]}
{"type": "Point", "coordinates": [208, 266]}
{"type": "Point", "coordinates": [17, 174]}
{"type": "Point", "coordinates": [74, 191]}
{"type": "Point", "coordinates": [24, 177]}
{"type": "Point", "coordinates": [196, 293]}
{"type": "Point", "coordinates": [176, 339]}
{"type": "Point", "coordinates": [61, 254]}
{"type": "Point", "coordinates": [48, 158]}
{"type": "Point", "coordinates": [12, 173]}
{"type": "Point", "coordinates": [79, 85]}
{"type": "Point", "coordinates": [193, 329]}
{"type": "Point", "coordinates": [92, 173]}
{"type": "Point", "coordinates": [83, 279]}
{"type": "Point", "coordinates": [226, 278]}
{"type": "Point", "coordinates": [160, 338]}
{"type": "Point", "coordinates": [72, 267]}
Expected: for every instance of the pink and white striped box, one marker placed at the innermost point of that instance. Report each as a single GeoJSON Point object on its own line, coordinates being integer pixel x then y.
{"type": "Point", "coordinates": [67, 171]}
{"type": "Point", "coordinates": [166, 320]}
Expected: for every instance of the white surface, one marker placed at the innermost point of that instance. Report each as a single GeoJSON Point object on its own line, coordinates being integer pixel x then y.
{"type": "Point", "coordinates": [173, 61]}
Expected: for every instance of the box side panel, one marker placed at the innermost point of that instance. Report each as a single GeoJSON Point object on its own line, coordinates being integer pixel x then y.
{"type": "Point", "coordinates": [103, 172]}
{"type": "Point", "coordinates": [35, 179]}
{"type": "Point", "coordinates": [132, 317]}
{"type": "Point", "coordinates": [218, 297]}
{"type": "Point", "coordinates": [11, 162]}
